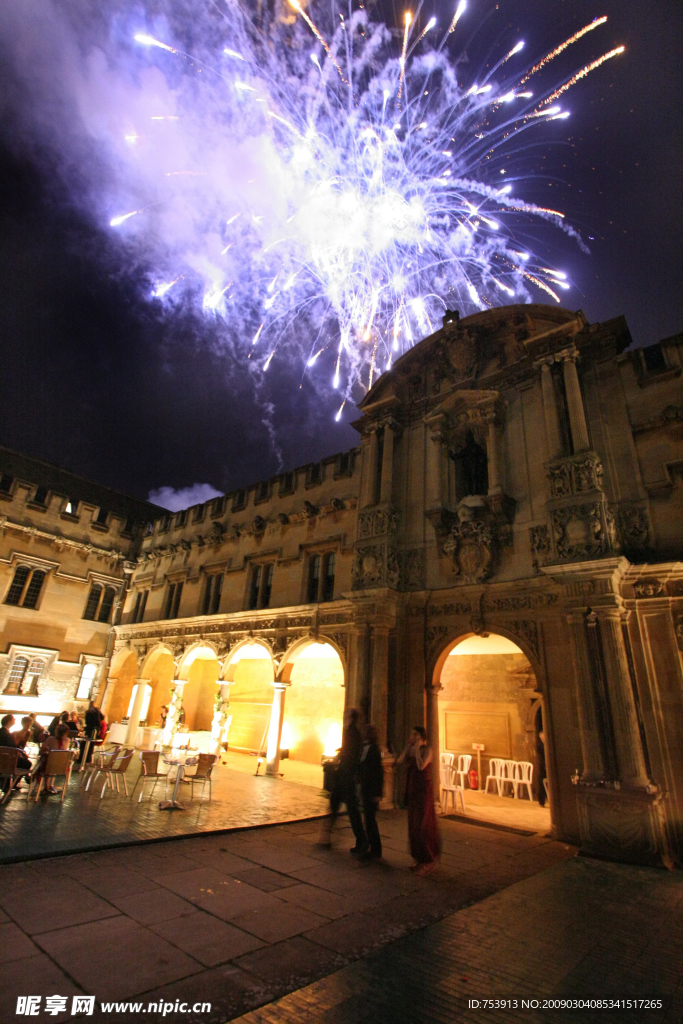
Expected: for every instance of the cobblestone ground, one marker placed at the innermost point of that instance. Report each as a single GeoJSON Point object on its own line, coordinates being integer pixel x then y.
{"type": "Point", "coordinates": [240, 919]}
{"type": "Point", "coordinates": [577, 931]}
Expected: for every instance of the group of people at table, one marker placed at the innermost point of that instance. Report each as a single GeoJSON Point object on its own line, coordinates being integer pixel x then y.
{"type": "Point", "coordinates": [65, 731]}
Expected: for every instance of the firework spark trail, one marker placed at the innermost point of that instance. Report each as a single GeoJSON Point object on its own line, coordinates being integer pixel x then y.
{"type": "Point", "coordinates": [563, 46]}
{"type": "Point", "coordinates": [358, 202]}
{"type": "Point", "coordinates": [582, 73]}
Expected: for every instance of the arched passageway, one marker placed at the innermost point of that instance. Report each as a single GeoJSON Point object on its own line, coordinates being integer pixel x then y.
{"type": "Point", "coordinates": [489, 695]}
{"type": "Point", "coordinates": [314, 703]}
{"type": "Point", "coordinates": [250, 672]}
{"type": "Point", "coordinates": [122, 678]}
{"type": "Point", "coordinates": [199, 670]}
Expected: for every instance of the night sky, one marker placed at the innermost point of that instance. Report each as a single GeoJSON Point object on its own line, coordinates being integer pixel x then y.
{"type": "Point", "coordinates": [98, 379]}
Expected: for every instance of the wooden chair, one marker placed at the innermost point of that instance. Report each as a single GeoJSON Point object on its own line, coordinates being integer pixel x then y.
{"type": "Point", "coordinates": [59, 764]}
{"type": "Point", "coordinates": [115, 772]}
{"type": "Point", "coordinates": [9, 770]}
{"type": "Point", "coordinates": [202, 773]}
{"type": "Point", "coordinates": [149, 770]}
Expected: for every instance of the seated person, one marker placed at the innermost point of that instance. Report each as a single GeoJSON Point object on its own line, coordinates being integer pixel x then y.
{"type": "Point", "coordinates": [73, 723]}
{"type": "Point", "coordinates": [60, 741]}
{"type": "Point", "coordinates": [38, 732]}
{"type": "Point", "coordinates": [23, 736]}
{"type": "Point", "coordinates": [7, 740]}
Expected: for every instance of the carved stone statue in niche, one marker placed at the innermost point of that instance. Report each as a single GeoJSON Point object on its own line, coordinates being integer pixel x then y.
{"type": "Point", "coordinates": [472, 464]}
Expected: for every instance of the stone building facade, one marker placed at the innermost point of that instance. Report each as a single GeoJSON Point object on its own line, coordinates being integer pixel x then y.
{"type": "Point", "coordinates": [519, 476]}
{"type": "Point", "coordinates": [67, 549]}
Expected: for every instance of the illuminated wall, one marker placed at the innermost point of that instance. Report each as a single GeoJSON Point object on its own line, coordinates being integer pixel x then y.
{"type": "Point", "coordinates": [314, 704]}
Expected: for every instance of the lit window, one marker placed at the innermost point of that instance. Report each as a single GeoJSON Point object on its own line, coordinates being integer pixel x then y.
{"type": "Point", "coordinates": [25, 587]}
{"type": "Point", "coordinates": [17, 673]}
{"type": "Point", "coordinates": [33, 676]}
{"type": "Point", "coordinates": [85, 682]}
{"type": "Point", "coordinates": [71, 508]}
{"type": "Point", "coordinates": [313, 579]}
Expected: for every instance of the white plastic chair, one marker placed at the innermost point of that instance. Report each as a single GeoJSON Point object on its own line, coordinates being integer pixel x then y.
{"type": "Point", "coordinates": [496, 769]}
{"type": "Point", "coordinates": [449, 787]}
{"type": "Point", "coordinates": [524, 772]}
{"type": "Point", "coordinates": [464, 762]}
{"type": "Point", "coordinates": [447, 759]}
{"type": "Point", "coordinates": [507, 777]}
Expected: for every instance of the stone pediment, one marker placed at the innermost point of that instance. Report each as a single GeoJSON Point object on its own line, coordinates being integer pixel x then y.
{"type": "Point", "coordinates": [466, 351]}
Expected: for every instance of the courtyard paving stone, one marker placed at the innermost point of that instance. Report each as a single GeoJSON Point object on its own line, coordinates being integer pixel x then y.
{"type": "Point", "coordinates": [235, 919]}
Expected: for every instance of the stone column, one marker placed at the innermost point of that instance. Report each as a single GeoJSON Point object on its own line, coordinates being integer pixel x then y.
{"type": "Point", "coordinates": [173, 711]}
{"type": "Point", "coordinates": [387, 463]}
{"type": "Point", "coordinates": [577, 413]}
{"type": "Point", "coordinates": [134, 720]}
{"type": "Point", "coordinates": [434, 464]}
{"type": "Point", "coordinates": [627, 741]}
{"type": "Point", "coordinates": [552, 422]}
{"type": "Point", "coordinates": [591, 746]}
{"type": "Point", "coordinates": [370, 470]}
{"type": "Point", "coordinates": [380, 684]}
{"type": "Point", "coordinates": [358, 665]}
{"type": "Point", "coordinates": [433, 692]}
{"type": "Point", "coordinates": [492, 454]}
{"type": "Point", "coordinates": [277, 717]}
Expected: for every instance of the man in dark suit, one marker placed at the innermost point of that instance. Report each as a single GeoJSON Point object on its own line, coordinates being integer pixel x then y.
{"type": "Point", "coordinates": [344, 788]}
{"type": "Point", "coordinates": [372, 788]}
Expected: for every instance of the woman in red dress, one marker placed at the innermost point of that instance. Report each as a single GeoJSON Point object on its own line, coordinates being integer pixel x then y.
{"type": "Point", "coordinates": [423, 832]}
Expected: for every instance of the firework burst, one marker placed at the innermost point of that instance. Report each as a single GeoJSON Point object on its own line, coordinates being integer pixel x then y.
{"type": "Point", "coordinates": [375, 199]}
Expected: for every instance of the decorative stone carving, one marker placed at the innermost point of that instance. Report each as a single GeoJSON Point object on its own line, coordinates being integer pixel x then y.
{"type": "Point", "coordinates": [527, 630]}
{"type": "Point", "coordinates": [216, 533]}
{"type": "Point", "coordinates": [470, 549]}
{"type": "Point", "coordinates": [582, 531]}
{"type": "Point", "coordinates": [453, 608]}
{"type": "Point", "coordinates": [378, 522]}
{"type": "Point", "coordinates": [635, 528]}
{"type": "Point", "coordinates": [375, 566]}
{"type": "Point", "coordinates": [576, 474]}
{"type": "Point", "coordinates": [412, 569]}
{"type": "Point", "coordinates": [518, 602]}
{"type": "Point", "coordinates": [649, 588]}
{"type": "Point", "coordinates": [310, 509]}
{"type": "Point", "coordinates": [337, 504]}
{"type": "Point", "coordinates": [259, 524]}
{"type": "Point", "coordinates": [541, 547]}
{"type": "Point", "coordinates": [342, 642]}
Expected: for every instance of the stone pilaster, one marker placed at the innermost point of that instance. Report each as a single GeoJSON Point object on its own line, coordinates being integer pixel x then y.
{"type": "Point", "coordinates": [380, 683]}
{"type": "Point", "coordinates": [387, 462]}
{"type": "Point", "coordinates": [591, 745]}
{"type": "Point", "coordinates": [277, 717]}
{"type": "Point", "coordinates": [577, 413]}
{"type": "Point", "coordinates": [550, 414]}
{"type": "Point", "coordinates": [492, 454]}
{"type": "Point", "coordinates": [134, 720]}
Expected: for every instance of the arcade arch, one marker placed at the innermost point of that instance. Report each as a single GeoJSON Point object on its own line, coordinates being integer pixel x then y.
{"type": "Point", "coordinates": [489, 694]}
{"type": "Point", "coordinates": [199, 669]}
{"type": "Point", "coordinates": [314, 703]}
{"type": "Point", "coordinates": [250, 672]}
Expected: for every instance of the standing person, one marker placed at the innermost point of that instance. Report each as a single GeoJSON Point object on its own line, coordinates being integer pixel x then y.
{"type": "Point", "coordinates": [163, 715]}
{"type": "Point", "coordinates": [423, 832]}
{"type": "Point", "coordinates": [344, 788]}
{"type": "Point", "coordinates": [92, 729]}
{"type": "Point", "coordinates": [372, 788]}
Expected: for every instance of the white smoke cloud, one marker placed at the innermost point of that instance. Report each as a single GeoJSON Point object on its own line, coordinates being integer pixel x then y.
{"type": "Point", "coordinates": [184, 497]}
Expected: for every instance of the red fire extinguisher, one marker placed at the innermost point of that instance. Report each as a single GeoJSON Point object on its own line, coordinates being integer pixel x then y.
{"type": "Point", "coordinates": [474, 779]}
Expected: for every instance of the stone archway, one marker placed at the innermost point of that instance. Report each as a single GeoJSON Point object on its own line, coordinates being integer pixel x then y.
{"type": "Point", "coordinates": [199, 670]}
{"type": "Point", "coordinates": [488, 693]}
{"type": "Point", "coordinates": [250, 673]}
{"type": "Point", "coordinates": [123, 674]}
{"type": "Point", "coordinates": [158, 670]}
{"type": "Point", "coordinates": [313, 673]}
